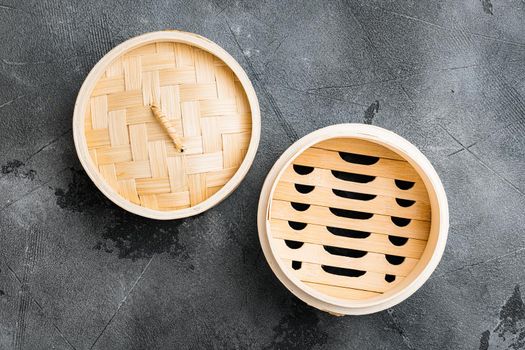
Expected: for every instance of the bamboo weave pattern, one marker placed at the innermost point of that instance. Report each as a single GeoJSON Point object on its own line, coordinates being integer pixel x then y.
{"type": "Point", "coordinates": [204, 102]}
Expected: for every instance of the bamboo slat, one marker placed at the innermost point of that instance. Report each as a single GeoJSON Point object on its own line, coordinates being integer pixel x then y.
{"type": "Point", "coordinates": [323, 216]}
{"type": "Point", "coordinates": [327, 159]}
{"type": "Point", "coordinates": [316, 254]}
{"type": "Point", "coordinates": [375, 242]}
{"type": "Point", "coordinates": [342, 292]}
{"type": "Point", "coordinates": [378, 186]}
{"type": "Point", "coordinates": [370, 281]}
{"type": "Point", "coordinates": [326, 197]}
{"type": "Point", "coordinates": [358, 146]}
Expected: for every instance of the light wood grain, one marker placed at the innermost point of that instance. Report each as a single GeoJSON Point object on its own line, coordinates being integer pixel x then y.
{"type": "Point", "coordinates": [199, 107]}
{"type": "Point", "coordinates": [379, 186]}
{"type": "Point", "coordinates": [311, 207]}
{"type": "Point", "coordinates": [332, 259]}
{"type": "Point", "coordinates": [376, 242]}
{"type": "Point", "coordinates": [370, 281]}
{"type": "Point", "coordinates": [316, 254]}
{"type": "Point", "coordinates": [326, 159]}
{"type": "Point", "coordinates": [342, 292]}
{"type": "Point", "coordinates": [323, 196]}
{"type": "Point", "coordinates": [322, 216]}
{"type": "Point", "coordinates": [358, 146]}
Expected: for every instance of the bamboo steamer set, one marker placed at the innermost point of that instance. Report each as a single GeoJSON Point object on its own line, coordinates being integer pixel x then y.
{"type": "Point", "coordinates": [352, 218]}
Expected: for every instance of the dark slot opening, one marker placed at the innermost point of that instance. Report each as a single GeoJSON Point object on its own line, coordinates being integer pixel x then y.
{"type": "Point", "coordinates": [401, 222]}
{"type": "Point", "coordinates": [302, 169]}
{"type": "Point", "coordinates": [343, 232]}
{"type": "Point", "coordinates": [404, 185]}
{"type": "Point", "coordinates": [342, 175]}
{"type": "Point", "coordinates": [394, 259]}
{"type": "Point", "coordinates": [404, 202]}
{"type": "Point", "coordinates": [342, 271]}
{"type": "Point", "coordinates": [351, 253]}
{"type": "Point", "coordinates": [293, 244]}
{"type": "Point", "coordinates": [300, 206]}
{"type": "Point", "coordinates": [354, 195]}
{"type": "Point", "coordinates": [297, 225]}
{"type": "Point", "coordinates": [358, 158]}
{"type": "Point", "coordinates": [304, 188]}
{"type": "Point", "coordinates": [397, 241]}
{"type": "Point", "coordinates": [351, 214]}
{"type": "Point", "coordinates": [390, 278]}
{"type": "Point", "coordinates": [296, 265]}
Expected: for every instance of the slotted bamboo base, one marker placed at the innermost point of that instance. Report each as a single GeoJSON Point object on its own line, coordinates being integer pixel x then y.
{"type": "Point", "coordinates": [353, 219]}
{"type": "Point", "coordinates": [206, 103]}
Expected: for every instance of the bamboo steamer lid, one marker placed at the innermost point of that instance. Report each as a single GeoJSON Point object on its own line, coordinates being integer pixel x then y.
{"type": "Point", "coordinates": [353, 219]}
{"type": "Point", "coordinates": [167, 124]}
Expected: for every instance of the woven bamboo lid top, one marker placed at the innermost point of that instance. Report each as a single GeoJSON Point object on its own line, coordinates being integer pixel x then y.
{"type": "Point", "coordinates": [201, 104]}
{"type": "Point", "coordinates": [348, 218]}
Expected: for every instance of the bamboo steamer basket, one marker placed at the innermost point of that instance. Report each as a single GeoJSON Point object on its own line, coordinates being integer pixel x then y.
{"type": "Point", "coordinates": [353, 219]}
{"type": "Point", "coordinates": [167, 124]}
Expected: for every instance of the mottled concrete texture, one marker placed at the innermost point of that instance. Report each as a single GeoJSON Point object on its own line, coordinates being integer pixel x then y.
{"type": "Point", "coordinates": [77, 272]}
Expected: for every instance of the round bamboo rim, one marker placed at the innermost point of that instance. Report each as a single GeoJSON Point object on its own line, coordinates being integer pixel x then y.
{"type": "Point", "coordinates": [83, 103]}
{"type": "Point", "coordinates": [438, 227]}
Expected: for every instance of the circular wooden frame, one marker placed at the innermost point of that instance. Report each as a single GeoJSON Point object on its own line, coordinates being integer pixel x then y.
{"type": "Point", "coordinates": [431, 254]}
{"type": "Point", "coordinates": [83, 101]}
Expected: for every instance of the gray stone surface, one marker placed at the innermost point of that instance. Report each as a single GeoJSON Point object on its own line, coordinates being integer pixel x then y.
{"type": "Point", "coordinates": [76, 272]}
